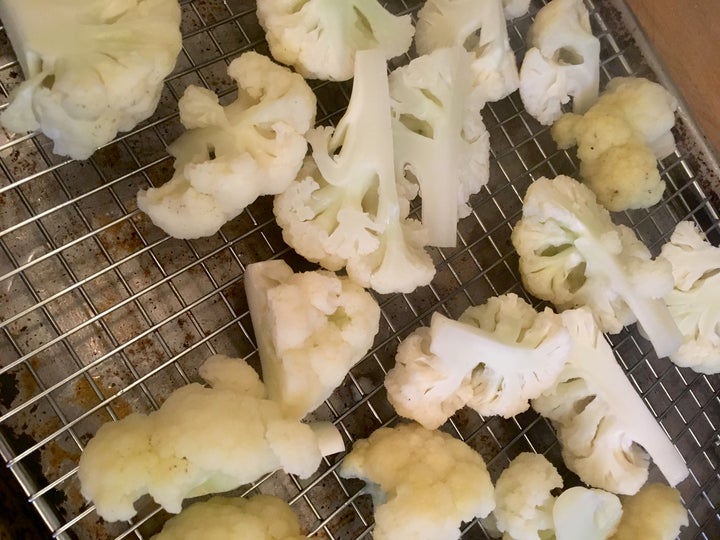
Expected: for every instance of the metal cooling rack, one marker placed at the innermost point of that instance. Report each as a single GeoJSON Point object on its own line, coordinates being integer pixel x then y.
{"type": "Point", "coordinates": [102, 314]}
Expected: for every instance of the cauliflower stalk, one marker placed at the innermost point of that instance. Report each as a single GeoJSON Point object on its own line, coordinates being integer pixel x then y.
{"type": "Point", "coordinates": [694, 302]}
{"type": "Point", "coordinates": [439, 136]}
{"type": "Point", "coordinates": [601, 422]}
{"type": "Point", "coordinates": [618, 140]}
{"type": "Point", "coordinates": [590, 514]}
{"type": "Point", "coordinates": [92, 67]}
{"type": "Point", "coordinates": [231, 155]}
{"type": "Point", "coordinates": [261, 517]}
{"type": "Point", "coordinates": [424, 482]}
{"type": "Point", "coordinates": [562, 61]}
{"type": "Point", "coordinates": [347, 208]}
{"type": "Point", "coordinates": [320, 38]}
{"type": "Point", "coordinates": [494, 359]}
{"type": "Point", "coordinates": [311, 328]}
{"type": "Point", "coordinates": [479, 26]}
{"type": "Point", "coordinates": [203, 439]}
{"type": "Point", "coordinates": [654, 512]}
{"type": "Point", "coordinates": [572, 254]}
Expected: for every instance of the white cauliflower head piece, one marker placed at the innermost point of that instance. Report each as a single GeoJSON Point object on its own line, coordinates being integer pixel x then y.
{"type": "Point", "coordinates": [587, 513]}
{"type": "Point", "coordinates": [523, 497]}
{"type": "Point", "coordinates": [605, 429]}
{"type": "Point", "coordinates": [518, 352]}
{"type": "Point", "coordinates": [320, 38]}
{"type": "Point", "coordinates": [347, 207]}
{"type": "Point", "coordinates": [311, 328]}
{"type": "Point", "coordinates": [479, 27]}
{"type": "Point", "coordinates": [694, 302]}
{"type": "Point", "coordinates": [92, 68]}
{"type": "Point", "coordinates": [656, 511]}
{"type": "Point", "coordinates": [562, 61]}
{"type": "Point", "coordinates": [572, 254]}
{"type": "Point", "coordinates": [440, 139]}
{"type": "Point", "coordinates": [261, 517]}
{"type": "Point", "coordinates": [201, 440]}
{"type": "Point", "coordinates": [424, 482]}
{"type": "Point", "coordinates": [232, 155]}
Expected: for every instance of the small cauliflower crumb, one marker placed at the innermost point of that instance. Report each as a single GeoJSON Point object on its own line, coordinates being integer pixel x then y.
{"type": "Point", "coordinates": [424, 483]}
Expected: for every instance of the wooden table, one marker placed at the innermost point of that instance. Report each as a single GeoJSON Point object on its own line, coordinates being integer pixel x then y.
{"type": "Point", "coordinates": [686, 35]}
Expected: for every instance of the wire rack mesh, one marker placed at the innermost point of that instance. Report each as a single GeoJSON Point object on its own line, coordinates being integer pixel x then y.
{"type": "Point", "coordinates": [102, 314]}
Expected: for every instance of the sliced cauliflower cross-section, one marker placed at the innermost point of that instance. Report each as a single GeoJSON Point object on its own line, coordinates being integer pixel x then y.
{"type": "Point", "coordinates": [605, 429]}
{"type": "Point", "coordinates": [440, 139]}
{"type": "Point", "coordinates": [495, 358]}
{"type": "Point", "coordinates": [203, 439]}
{"type": "Point", "coordinates": [480, 27]}
{"type": "Point", "coordinates": [262, 517]}
{"type": "Point", "coordinates": [232, 155]}
{"type": "Point", "coordinates": [572, 254]}
{"type": "Point", "coordinates": [694, 302]}
{"type": "Point", "coordinates": [320, 38]}
{"type": "Point", "coordinates": [347, 207]}
{"type": "Point", "coordinates": [562, 61]}
{"type": "Point", "coordinates": [311, 328]}
{"type": "Point", "coordinates": [424, 482]}
{"type": "Point", "coordinates": [92, 67]}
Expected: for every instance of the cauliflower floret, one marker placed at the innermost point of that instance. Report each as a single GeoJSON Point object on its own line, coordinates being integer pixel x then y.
{"type": "Point", "coordinates": [201, 440]}
{"type": "Point", "coordinates": [562, 61]}
{"type": "Point", "coordinates": [232, 155]}
{"type": "Point", "coordinates": [524, 499]}
{"type": "Point", "coordinates": [320, 38]}
{"type": "Point", "coordinates": [694, 302]}
{"type": "Point", "coordinates": [618, 140]}
{"type": "Point", "coordinates": [587, 514]}
{"type": "Point", "coordinates": [480, 27]}
{"type": "Point", "coordinates": [261, 517]}
{"type": "Point", "coordinates": [601, 422]}
{"type": "Point", "coordinates": [347, 207]}
{"type": "Point", "coordinates": [311, 328]}
{"type": "Point", "coordinates": [515, 8]}
{"type": "Point", "coordinates": [92, 67]}
{"type": "Point", "coordinates": [440, 138]}
{"type": "Point", "coordinates": [572, 254]}
{"type": "Point", "coordinates": [423, 482]}
{"type": "Point", "coordinates": [494, 359]}
{"type": "Point", "coordinates": [655, 513]}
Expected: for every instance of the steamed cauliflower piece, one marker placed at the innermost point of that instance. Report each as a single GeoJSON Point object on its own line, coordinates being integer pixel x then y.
{"type": "Point", "coordinates": [494, 359]}
{"type": "Point", "coordinates": [694, 302]}
{"type": "Point", "coordinates": [606, 431]}
{"type": "Point", "coordinates": [232, 155]}
{"type": "Point", "coordinates": [311, 328]}
{"type": "Point", "coordinates": [480, 27]}
{"type": "Point", "coordinates": [619, 140]}
{"type": "Point", "coordinates": [92, 67]}
{"type": "Point", "coordinates": [262, 517]}
{"type": "Point", "coordinates": [653, 513]}
{"type": "Point", "coordinates": [203, 439]}
{"type": "Point", "coordinates": [440, 138]}
{"type": "Point", "coordinates": [320, 38]}
{"type": "Point", "coordinates": [424, 483]}
{"type": "Point", "coordinates": [524, 499]}
{"type": "Point", "coordinates": [572, 254]}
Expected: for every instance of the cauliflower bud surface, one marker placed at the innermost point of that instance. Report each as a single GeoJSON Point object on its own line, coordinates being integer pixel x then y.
{"type": "Point", "coordinates": [694, 302]}
{"type": "Point", "coordinates": [311, 328]}
{"type": "Point", "coordinates": [92, 67]}
{"type": "Point", "coordinates": [262, 517]}
{"type": "Point", "coordinates": [424, 482]}
{"type": "Point", "coordinates": [320, 38]}
{"type": "Point", "coordinates": [203, 439]}
{"type": "Point", "coordinates": [232, 155]}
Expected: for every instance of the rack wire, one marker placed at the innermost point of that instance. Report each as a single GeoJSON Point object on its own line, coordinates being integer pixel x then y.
{"type": "Point", "coordinates": [101, 314]}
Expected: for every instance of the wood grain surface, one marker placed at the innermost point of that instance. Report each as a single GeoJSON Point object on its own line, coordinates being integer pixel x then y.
{"type": "Point", "coordinates": [686, 35]}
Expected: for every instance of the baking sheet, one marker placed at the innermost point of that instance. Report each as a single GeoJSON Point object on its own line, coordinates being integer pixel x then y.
{"type": "Point", "coordinates": [101, 314]}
